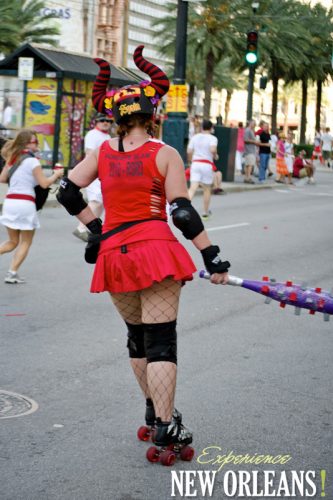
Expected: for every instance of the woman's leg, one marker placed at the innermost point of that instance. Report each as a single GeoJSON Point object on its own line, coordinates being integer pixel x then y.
{"type": "Point", "coordinates": [159, 313]}
{"type": "Point", "coordinates": [26, 237]}
{"type": "Point", "coordinates": [207, 193]}
{"type": "Point", "coordinates": [193, 187]}
{"type": "Point", "coordinates": [217, 179]}
{"type": "Point", "coordinates": [129, 307]}
{"type": "Point", "coordinates": [12, 242]}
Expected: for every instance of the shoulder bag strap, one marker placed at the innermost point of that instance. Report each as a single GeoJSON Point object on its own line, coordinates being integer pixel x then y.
{"type": "Point", "coordinates": [16, 165]}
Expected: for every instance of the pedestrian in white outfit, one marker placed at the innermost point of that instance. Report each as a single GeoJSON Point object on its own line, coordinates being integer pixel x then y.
{"type": "Point", "coordinates": [19, 214]}
{"type": "Point", "coordinates": [202, 151]}
{"type": "Point", "coordinates": [289, 155]}
{"type": "Point", "coordinates": [327, 146]}
{"type": "Point", "coordinates": [93, 140]}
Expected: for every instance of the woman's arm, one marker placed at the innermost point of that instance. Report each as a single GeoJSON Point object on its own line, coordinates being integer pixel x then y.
{"type": "Point", "coordinates": [81, 176]}
{"type": "Point", "coordinates": [86, 171]}
{"type": "Point", "coordinates": [4, 174]}
{"type": "Point", "coordinates": [44, 181]}
{"type": "Point", "coordinates": [171, 165]}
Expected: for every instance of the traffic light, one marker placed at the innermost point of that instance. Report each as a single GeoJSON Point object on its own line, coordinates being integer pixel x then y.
{"type": "Point", "coordinates": [263, 82]}
{"type": "Point", "coordinates": [251, 55]}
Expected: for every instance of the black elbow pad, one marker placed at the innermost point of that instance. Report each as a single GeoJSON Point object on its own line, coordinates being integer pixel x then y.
{"type": "Point", "coordinates": [186, 218]}
{"type": "Point", "coordinates": [70, 197]}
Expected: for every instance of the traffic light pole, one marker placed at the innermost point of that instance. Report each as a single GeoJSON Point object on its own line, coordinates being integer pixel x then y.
{"type": "Point", "coordinates": [252, 72]}
{"type": "Point", "coordinates": [181, 43]}
{"type": "Point", "coordinates": [175, 128]}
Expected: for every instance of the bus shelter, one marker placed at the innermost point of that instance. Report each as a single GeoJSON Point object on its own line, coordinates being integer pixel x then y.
{"type": "Point", "coordinates": [54, 100]}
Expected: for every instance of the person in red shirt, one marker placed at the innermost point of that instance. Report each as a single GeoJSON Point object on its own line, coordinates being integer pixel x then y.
{"type": "Point", "coordinates": [303, 167]}
{"type": "Point", "coordinates": [140, 262]}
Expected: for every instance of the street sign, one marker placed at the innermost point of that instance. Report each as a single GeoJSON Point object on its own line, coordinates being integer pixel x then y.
{"type": "Point", "coordinates": [26, 68]}
{"type": "Point", "coordinates": [177, 99]}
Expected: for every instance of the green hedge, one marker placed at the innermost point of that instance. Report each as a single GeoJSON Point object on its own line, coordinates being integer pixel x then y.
{"type": "Point", "coordinates": [307, 147]}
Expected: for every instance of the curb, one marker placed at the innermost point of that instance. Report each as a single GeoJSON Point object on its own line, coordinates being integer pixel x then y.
{"type": "Point", "coordinates": [53, 203]}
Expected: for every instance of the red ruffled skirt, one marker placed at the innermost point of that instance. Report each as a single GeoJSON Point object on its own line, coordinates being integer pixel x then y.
{"type": "Point", "coordinates": [281, 166]}
{"type": "Point", "coordinates": [138, 265]}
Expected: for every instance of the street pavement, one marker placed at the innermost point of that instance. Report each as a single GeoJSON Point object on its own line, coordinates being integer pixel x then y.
{"type": "Point", "coordinates": [253, 378]}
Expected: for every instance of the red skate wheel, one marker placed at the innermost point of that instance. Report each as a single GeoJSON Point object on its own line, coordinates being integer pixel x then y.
{"type": "Point", "coordinates": [167, 457]}
{"type": "Point", "coordinates": [187, 453]}
{"type": "Point", "coordinates": [153, 454]}
{"type": "Point", "coordinates": [144, 433]}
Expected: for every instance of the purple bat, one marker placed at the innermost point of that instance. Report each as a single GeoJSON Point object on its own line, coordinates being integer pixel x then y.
{"type": "Point", "coordinates": [299, 296]}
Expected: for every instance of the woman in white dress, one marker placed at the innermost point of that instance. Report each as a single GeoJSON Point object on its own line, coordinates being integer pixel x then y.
{"type": "Point", "coordinates": [289, 155]}
{"type": "Point", "coordinates": [19, 214]}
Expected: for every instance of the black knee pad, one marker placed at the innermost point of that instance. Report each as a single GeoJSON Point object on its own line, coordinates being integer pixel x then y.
{"type": "Point", "coordinates": [135, 342]}
{"type": "Point", "coordinates": [161, 341]}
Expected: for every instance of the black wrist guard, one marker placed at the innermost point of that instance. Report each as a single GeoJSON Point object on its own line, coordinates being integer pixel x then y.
{"type": "Point", "coordinates": [95, 226]}
{"type": "Point", "coordinates": [212, 260]}
{"type": "Point", "coordinates": [70, 196]}
{"type": "Point", "coordinates": [186, 218]}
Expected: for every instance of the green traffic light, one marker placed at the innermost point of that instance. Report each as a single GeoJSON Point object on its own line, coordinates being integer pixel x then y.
{"type": "Point", "coordinates": [251, 58]}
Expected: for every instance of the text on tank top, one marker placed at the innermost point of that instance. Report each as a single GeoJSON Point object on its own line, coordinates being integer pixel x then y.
{"type": "Point", "coordinates": [132, 187]}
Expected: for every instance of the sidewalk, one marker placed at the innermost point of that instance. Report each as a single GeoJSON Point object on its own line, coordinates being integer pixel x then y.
{"type": "Point", "coordinates": [237, 186]}
{"type": "Point", "coordinates": [229, 187]}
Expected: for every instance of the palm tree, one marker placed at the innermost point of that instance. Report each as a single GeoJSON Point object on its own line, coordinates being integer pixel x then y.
{"type": "Point", "coordinates": [322, 51]}
{"type": "Point", "coordinates": [28, 25]}
{"type": "Point", "coordinates": [214, 31]}
{"type": "Point", "coordinates": [9, 36]}
{"type": "Point", "coordinates": [315, 65]}
{"type": "Point", "coordinates": [212, 37]}
{"type": "Point", "coordinates": [282, 41]}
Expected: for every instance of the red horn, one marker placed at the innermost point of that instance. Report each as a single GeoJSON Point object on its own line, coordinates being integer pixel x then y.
{"type": "Point", "coordinates": [159, 80]}
{"type": "Point", "coordinates": [100, 85]}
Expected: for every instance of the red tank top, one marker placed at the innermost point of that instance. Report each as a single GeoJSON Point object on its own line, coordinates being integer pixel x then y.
{"type": "Point", "coordinates": [132, 187]}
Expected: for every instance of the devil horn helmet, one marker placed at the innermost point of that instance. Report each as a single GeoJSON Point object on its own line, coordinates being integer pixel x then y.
{"type": "Point", "coordinates": [159, 80]}
{"type": "Point", "coordinates": [141, 98]}
{"type": "Point", "coordinates": [100, 85]}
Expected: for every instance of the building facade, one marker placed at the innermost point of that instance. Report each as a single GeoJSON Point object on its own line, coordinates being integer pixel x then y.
{"type": "Point", "coordinates": [138, 26]}
{"type": "Point", "coordinates": [110, 29]}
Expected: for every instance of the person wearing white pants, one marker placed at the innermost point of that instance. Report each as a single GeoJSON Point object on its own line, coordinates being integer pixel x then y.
{"type": "Point", "coordinates": [92, 141]}
{"type": "Point", "coordinates": [202, 150]}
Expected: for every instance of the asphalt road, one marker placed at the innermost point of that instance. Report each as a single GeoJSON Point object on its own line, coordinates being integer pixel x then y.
{"type": "Point", "coordinates": [253, 378]}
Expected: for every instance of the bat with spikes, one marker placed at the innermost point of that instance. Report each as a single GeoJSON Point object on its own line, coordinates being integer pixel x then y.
{"type": "Point", "coordinates": [300, 296]}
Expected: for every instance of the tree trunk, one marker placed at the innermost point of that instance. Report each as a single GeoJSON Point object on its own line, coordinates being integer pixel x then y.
{"type": "Point", "coordinates": [210, 63]}
{"type": "Point", "coordinates": [286, 115]}
{"type": "Point", "coordinates": [318, 103]}
{"type": "Point", "coordinates": [304, 105]}
{"type": "Point", "coordinates": [191, 91]}
{"type": "Point", "coordinates": [227, 105]}
{"type": "Point", "coordinates": [275, 82]}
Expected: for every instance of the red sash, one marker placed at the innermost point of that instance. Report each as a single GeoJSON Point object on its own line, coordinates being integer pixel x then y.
{"type": "Point", "coordinates": [214, 167]}
{"type": "Point", "coordinates": [21, 197]}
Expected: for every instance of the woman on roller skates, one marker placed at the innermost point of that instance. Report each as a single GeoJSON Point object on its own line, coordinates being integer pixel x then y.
{"type": "Point", "coordinates": [140, 262]}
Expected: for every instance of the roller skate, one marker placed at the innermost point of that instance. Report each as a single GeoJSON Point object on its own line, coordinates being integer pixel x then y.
{"type": "Point", "coordinates": [171, 441]}
{"type": "Point", "coordinates": [144, 432]}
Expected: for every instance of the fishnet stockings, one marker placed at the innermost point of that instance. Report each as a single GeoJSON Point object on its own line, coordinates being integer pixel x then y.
{"type": "Point", "coordinates": [139, 367]}
{"type": "Point", "coordinates": [157, 304]}
{"type": "Point", "coordinates": [162, 377]}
